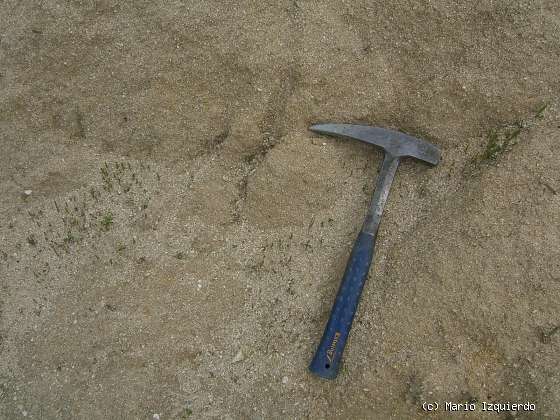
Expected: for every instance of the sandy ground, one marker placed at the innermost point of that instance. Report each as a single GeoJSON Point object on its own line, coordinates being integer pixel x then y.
{"type": "Point", "coordinates": [184, 234]}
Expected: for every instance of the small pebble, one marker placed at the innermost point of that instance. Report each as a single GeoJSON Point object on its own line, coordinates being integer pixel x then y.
{"type": "Point", "coordinates": [27, 192]}
{"type": "Point", "coordinates": [285, 380]}
{"type": "Point", "coordinates": [238, 357]}
{"type": "Point", "coordinates": [155, 416]}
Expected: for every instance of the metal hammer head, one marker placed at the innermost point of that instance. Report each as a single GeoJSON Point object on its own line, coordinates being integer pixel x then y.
{"type": "Point", "coordinates": [393, 142]}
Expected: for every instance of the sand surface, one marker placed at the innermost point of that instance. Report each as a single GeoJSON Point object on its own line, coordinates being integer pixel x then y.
{"type": "Point", "coordinates": [172, 235]}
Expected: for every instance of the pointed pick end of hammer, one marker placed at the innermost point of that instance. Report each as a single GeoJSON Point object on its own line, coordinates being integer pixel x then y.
{"type": "Point", "coordinates": [324, 128]}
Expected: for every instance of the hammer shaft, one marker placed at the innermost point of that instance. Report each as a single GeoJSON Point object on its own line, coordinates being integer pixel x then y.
{"type": "Point", "coordinates": [384, 180]}
{"type": "Point", "coordinates": [326, 361]}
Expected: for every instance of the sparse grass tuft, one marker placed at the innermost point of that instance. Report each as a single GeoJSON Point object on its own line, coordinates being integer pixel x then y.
{"type": "Point", "coordinates": [107, 221]}
{"type": "Point", "coordinates": [546, 336]}
{"type": "Point", "coordinates": [539, 113]}
{"type": "Point", "coordinates": [500, 140]}
{"type": "Point", "coordinates": [186, 413]}
{"type": "Point", "coordinates": [69, 238]}
{"type": "Point", "coordinates": [105, 176]}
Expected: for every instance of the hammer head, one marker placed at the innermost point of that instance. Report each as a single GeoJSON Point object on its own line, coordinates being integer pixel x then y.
{"type": "Point", "coordinates": [393, 142]}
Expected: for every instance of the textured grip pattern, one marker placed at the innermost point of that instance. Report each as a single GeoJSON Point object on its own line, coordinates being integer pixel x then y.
{"type": "Point", "coordinates": [326, 361]}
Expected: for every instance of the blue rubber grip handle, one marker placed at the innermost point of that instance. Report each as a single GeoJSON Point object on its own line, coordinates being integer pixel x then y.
{"type": "Point", "coordinates": [326, 361]}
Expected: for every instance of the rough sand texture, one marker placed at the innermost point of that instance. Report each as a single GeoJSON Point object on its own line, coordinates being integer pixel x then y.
{"type": "Point", "coordinates": [185, 234]}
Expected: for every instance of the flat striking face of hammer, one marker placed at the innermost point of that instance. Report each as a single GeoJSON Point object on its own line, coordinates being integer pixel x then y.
{"type": "Point", "coordinates": [393, 142]}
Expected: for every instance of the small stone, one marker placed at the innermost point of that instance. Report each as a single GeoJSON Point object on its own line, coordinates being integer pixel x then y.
{"type": "Point", "coordinates": [155, 416]}
{"type": "Point", "coordinates": [285, 380]}
{"type": "Point", "coordinates": [27, 192]}
{"type": "Point", "coordinates": [238, 357]}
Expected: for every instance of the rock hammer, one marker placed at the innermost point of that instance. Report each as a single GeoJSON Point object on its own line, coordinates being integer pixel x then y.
{"type": "Point", "coordinates": [396, 145]}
